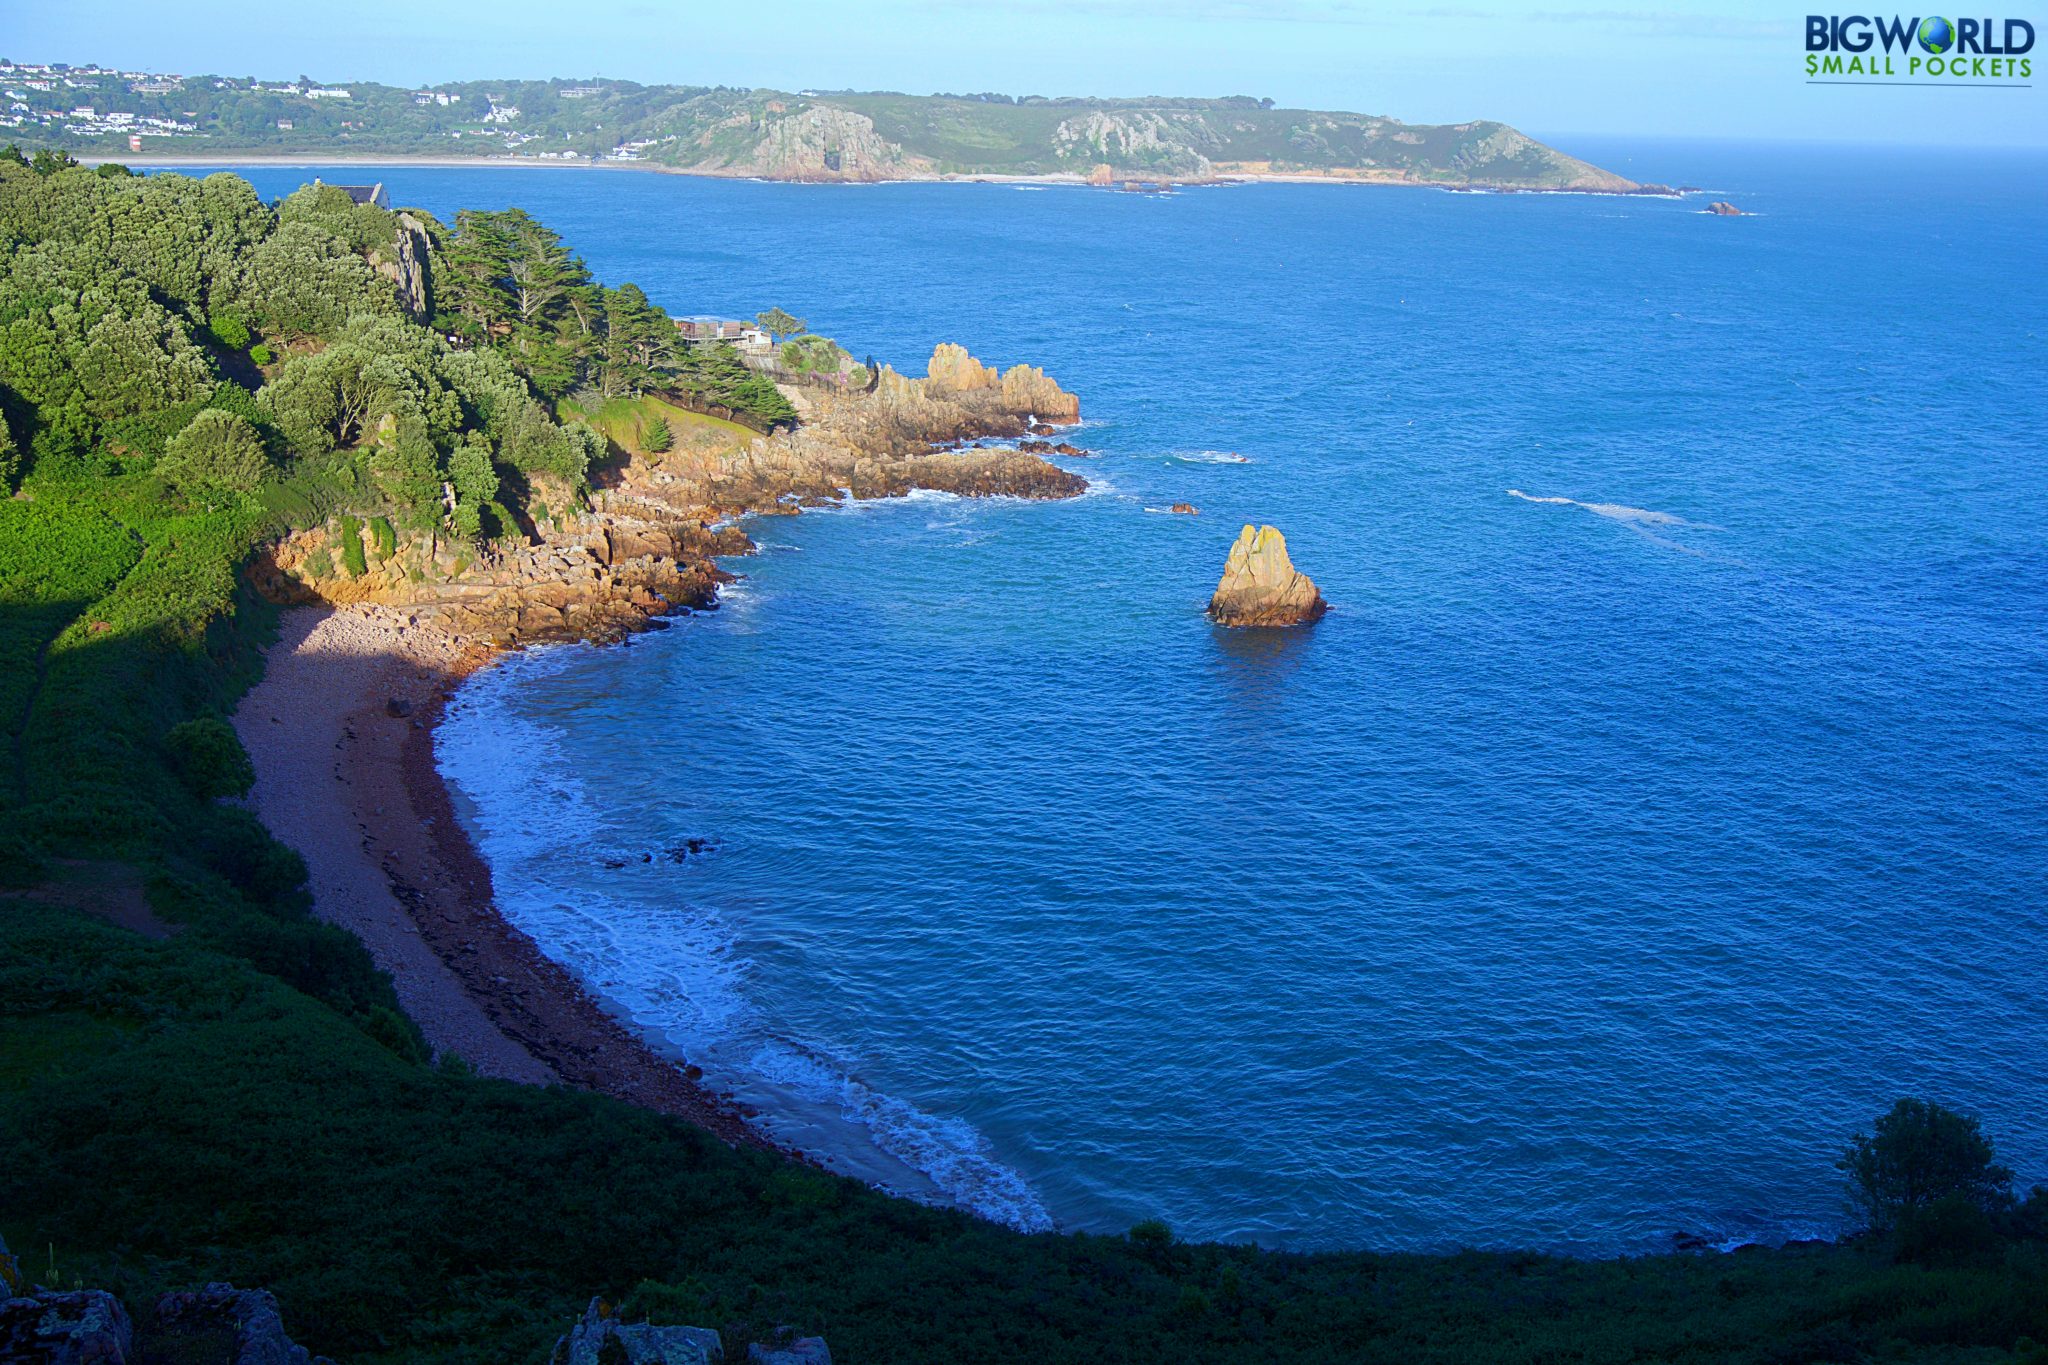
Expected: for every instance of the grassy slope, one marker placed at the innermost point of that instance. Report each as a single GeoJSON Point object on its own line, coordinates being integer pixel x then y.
{"type": "Point", "coordinates": [169, 1115]}
{"type": "Point", "coordinates": [623, 422]}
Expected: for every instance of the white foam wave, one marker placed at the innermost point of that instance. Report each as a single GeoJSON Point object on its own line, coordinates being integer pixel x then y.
{"type": "Point", "coordinates": [672, 969]}
{"type": "Point", "coordinates": [1637, 519]}
{"type": "Point", "coordinates": [1207, 457]}
{"type": "Point", "coordinates": [952, 1154]}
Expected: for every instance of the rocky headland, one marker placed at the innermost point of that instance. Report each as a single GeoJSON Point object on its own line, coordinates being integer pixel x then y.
{"type": "Point", "coordinates": [341, 726]}
{"type": "Point", "coordinates": [643, 542]}
{"type": "Point", "coordinates": [1261, 587]}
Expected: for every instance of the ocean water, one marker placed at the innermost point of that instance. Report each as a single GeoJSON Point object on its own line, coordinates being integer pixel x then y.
{"type": "Point", "coordinates": [1662, 797]}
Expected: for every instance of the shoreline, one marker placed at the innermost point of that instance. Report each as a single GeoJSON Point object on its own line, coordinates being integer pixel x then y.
{"type": "Point", "coordinates": [389, 860]}
{"type": "Point", "coordinates": [366, 664]}
{"type": "Point", "coordinates": [433, 161]}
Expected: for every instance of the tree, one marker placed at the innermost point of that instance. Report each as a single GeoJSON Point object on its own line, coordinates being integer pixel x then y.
{"type": "Point", "coordinates": [658, 438]}
{"type": "Point", "coordinates": [304, 279]}
{"type": "Point", "coordinates": [778, 324]}
{"type": "Point", "coordinates": [216, 452]}
{"type": "Point", "coordinates": [1919, 1156]}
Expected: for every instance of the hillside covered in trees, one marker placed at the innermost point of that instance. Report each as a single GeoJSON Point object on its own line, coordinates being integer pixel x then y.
{"type": "Point", "coordinates": [808, 135]}
{"type": "Point", "coordinates": [200, 1080]}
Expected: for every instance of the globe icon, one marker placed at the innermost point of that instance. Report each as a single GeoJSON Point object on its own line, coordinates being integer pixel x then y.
{"type": "Point", "coordinates": [1937, 35]}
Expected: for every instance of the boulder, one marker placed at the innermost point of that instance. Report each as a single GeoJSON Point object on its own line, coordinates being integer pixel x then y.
{"type": "Point", "coordinates": [79, 1327]}
{"type": "Point", "coordinates": [1185, 509]}
{"type": "Point", "coordinates": [12, 1281]}
{"type": "Point", "coordinates": [1261, 587]}
{"type": "Point", "coordinates": [642, 1343]}
{"type": "Point", "coordinates": [248, 1318]}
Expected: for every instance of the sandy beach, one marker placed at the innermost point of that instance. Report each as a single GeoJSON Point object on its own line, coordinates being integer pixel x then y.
{"type": "Point", "coordinates": [341, 733]}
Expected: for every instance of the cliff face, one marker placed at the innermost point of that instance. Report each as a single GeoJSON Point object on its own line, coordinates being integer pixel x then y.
{"type": "Point", "coordinates": [645, 544]}
{"type": "Point", "coordinates": [1261, 587]}
{"type": "Point", "coordinates": [405, 265]}
{"type": "Point", "coordinates": [814, 142]}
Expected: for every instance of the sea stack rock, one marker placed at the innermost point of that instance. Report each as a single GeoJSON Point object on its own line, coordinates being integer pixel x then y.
{"type": "Point", "coordinates": [1721, 208]}
{"type": "Point", "coordinates": [1261, 586]}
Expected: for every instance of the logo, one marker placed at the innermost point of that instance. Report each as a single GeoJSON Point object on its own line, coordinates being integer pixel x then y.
{"type": "Point", "coordinates": [1859, 50]}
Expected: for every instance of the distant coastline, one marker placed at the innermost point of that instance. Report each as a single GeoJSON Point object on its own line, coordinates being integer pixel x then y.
{"type": "Point", "coordinates": [402, 160]}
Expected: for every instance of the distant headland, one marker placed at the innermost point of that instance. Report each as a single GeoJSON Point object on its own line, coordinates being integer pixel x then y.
{"type": "Point", "coordinates": [807, 135]}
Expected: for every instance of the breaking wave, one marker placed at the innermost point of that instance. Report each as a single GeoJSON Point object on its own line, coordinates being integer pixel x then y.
{"type": "Point", "coordinates": [1637, 519]}
{"type": "Point", "coordinates": [596, 899]}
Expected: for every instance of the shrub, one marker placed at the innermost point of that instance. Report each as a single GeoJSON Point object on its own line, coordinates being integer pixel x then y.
{"type": "Point", "coordinates": [1919, 1155]}
{"type": "Point", "coordinates": [260, 354]}
{"type": "Point", "coordinates": [210, 758]}
{"type": "Point", "coordinates": [349, 534]}
{"type": "Point", "coordinates": [1955, 1229]}
{"type": "Point", "coordinates": [216, 452]}
{"type": "Point", "coordinates": [20, 864]}
{"type": "Point", "coordinates": [385, 538]}
{"type": "Point", "coordinates": [237, 846]}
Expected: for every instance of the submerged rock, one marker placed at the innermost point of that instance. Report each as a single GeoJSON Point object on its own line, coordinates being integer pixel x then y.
{"type": "Point", "coordinates": [1261, 586]}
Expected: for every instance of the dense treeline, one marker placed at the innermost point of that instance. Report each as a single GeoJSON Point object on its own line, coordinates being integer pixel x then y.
{"type": "Point", "coordinates": [187, 371]}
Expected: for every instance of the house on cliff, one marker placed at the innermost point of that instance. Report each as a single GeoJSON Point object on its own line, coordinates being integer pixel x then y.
{"type": "Point", "coordinates": [361, 194]}
{"type": "Point", "coordinates": [709, 331]}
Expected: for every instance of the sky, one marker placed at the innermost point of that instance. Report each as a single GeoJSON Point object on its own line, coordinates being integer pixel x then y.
{"type": "Point", "coordinates": [1555, 67]}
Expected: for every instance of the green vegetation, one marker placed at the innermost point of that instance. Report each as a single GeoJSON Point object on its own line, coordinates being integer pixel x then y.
{"type": "Point", "coordinates": [348, 534]}
{"type": "Point", "coordinates": [779, 324]}
{"type": "Point", "coordinates": [657, 435]}
{"type": "Point", "coordinates": [170, 1115]}
{"type": "Point", "coordinates": [244, 1100]}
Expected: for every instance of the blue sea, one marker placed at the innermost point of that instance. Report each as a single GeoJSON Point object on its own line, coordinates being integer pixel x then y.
{"type": "Point", "coordinates": [1662, 797]}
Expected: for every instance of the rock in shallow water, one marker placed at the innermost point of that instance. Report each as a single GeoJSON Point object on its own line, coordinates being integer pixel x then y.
{"type": "Point", "coordinates": [1261, 586]}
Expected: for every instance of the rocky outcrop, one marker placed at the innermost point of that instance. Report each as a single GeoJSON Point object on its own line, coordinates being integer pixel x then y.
{"type": "Point", "coordinates": [813, 142]}
{"type": "Point", "coordinates": [1722, 208]}
{"type": "Point", "coordinates": [1020, 391]}
{"type": "Point", "coordinates": [76, 1327]}
{"type": "Point", "coordinates": [246, 1320]}
{"type": "Point", "coordinates": [643, 544]}
{"type": "Point", "coordinates": [219, 1323]}
{"type": "Point", "coordinates": [600, 1338]}
{"type": "Point", "coordinates": [405, 265]}
{"type": "Point", "coordinates": [1185, 509]}
{"type": "Point", "coordinates": [1261, 587]}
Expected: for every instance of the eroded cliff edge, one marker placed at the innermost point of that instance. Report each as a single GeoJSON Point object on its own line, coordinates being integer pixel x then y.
{"type": "Point", "coordinates": [641, 542]}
